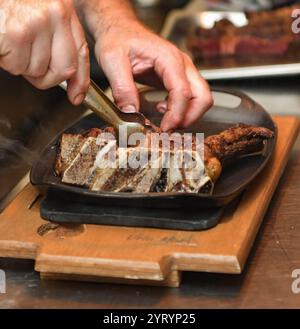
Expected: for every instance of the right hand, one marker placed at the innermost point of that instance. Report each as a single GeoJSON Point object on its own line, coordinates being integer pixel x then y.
{"type": "Point", "coordinates": [43, 40]}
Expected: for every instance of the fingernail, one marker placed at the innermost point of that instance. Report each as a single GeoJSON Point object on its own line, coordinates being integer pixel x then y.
{"type": "Point", "coordinates": [162, 110]}
{"type": "Point", "coordinates": [129, 109]}
{"type": "Point", "coordinates": [79, 99]}
{"type": "Point", "coordinates": [164, 126]}
{"type": "Point", "coordinates": [162, 107]}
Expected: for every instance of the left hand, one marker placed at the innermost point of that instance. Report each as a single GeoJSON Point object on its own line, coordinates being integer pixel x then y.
{"type": "Point", "coordinates": [128, 51]}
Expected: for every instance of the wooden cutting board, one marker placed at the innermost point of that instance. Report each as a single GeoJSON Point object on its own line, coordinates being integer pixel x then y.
{"type": "Point", "coordinates": [142, 255]}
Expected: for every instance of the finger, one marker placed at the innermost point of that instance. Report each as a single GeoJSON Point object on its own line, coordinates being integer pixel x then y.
{"type": "Point", "coordinates": [40, 56]}
{"type": "Point", "coordinates": [171, 69]}
{"type": "Point", "coordinates": [63, 61]}
{"type": "Point", "coordinates": [15, 55]}
{"type": "Point", "coordinates": [149, 78]}
{"type": "Point", "coordinates": [201, 99]}
{"type": "Point", "coordinates": [162, 107]}
{"type": "Point", "coordinates": [79, 83]}
{"type": "Point", "coordinates": [117, 68]}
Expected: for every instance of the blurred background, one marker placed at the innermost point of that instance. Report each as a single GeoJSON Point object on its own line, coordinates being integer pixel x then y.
{"type": "Point", "coordinates": [30, 119]}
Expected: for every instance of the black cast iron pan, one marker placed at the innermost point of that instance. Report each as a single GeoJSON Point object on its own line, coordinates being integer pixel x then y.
{"type": "Point", "coordinates": [233, 180]}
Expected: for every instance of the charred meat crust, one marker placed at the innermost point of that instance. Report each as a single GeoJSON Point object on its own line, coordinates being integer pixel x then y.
{"type": "Point", "coordinates": [95, 132]}
{"type": "Point", "coordinates": [219, 149]}
{"type": "Point", "coordinates": [237, 140]}
{"type": "Point", "coordinates": [228, 145]}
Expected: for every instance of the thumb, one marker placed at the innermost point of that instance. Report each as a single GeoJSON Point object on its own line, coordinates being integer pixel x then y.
{"type": "Point", "coordinates": [117, 68]}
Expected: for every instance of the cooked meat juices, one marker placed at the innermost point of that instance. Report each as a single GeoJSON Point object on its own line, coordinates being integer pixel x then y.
{"type": "Point", "coordinates": [82, 161]}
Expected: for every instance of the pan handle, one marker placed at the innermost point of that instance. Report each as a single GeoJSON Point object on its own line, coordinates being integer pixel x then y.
{"type": "Point", "coordinates": [246, 101]}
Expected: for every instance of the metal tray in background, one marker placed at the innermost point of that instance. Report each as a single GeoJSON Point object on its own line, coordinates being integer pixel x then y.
{"type": "Point", "coordinates": [233, 180]}
{"type": "Point", "coordinates": [181, 23]}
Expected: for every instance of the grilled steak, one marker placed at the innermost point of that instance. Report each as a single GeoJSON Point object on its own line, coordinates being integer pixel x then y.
{"type": "Point", "coordinates": [236, 141]}
{"type": "Point", "coordinates": [267, 33]}
{"type": "Point", "coordinates": [70, 145]}
{"type": "Point", "coordinates": [84, 160]}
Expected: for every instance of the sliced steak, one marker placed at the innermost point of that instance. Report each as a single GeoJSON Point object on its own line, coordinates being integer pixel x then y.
{"type": "Point", "coordinates": [88, 161]}
{"type": "Point", "coordinates": [80, 169]}
{"type": "Point", "coordinates": [70, 146]}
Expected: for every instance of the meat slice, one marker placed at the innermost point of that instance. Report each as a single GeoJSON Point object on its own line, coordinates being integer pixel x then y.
{"type": "Point", "coordinates": [111, 176]}
{"type": "Point", "coordinates": [145, 180]}
{"type": "Point", "coordinates": [147, 177]}
{"type": "Point", "coordinates": [184, 173]}
{"type": "Point", "coordinates": [100, 178]}
{"type": "Point", "coordinates": [118, 182]}
{"type": "Point", "coordinates": [126, 172]}
{"type": "Point", "coordinates": [70, 146]}
{"type": "Point", "coordinates": [238, 140]}
{"type": "Point", "coordinates": [81, 168]}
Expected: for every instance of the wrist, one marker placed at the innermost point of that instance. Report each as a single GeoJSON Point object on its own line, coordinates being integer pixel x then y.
{"type": "Point", "coordinates": [104, 16]}
{"type": "Point", "coordinates": [114, 27]}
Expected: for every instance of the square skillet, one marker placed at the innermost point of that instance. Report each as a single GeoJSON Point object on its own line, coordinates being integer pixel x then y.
{"type": "Point", "coordinates": [232, 182]}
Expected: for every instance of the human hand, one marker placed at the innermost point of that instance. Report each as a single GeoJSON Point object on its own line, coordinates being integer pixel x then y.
{"type": "Point", "coordinates": [43, 40]}
{"type": "Point", "coordinates": [129, 52]}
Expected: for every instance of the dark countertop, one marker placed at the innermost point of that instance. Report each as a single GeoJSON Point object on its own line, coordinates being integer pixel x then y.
{"type": "Point", "coordinates": [265, 282]}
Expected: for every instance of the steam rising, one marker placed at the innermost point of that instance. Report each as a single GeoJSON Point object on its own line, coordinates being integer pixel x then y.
{"type": "Point", "coordinates": [13, 150]}
{"type": "Point", "coordinates": [5, 123]}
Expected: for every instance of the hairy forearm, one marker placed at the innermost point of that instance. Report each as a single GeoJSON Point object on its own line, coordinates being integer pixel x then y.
{"type": "Point", "coordinates": [102, 15]}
